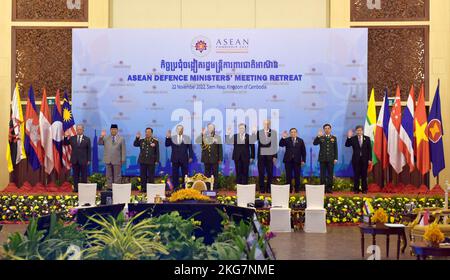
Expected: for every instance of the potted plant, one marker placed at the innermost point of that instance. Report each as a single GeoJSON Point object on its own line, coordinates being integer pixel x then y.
{"type": "Point", "coordinates": [188, 195]}
{"type": "Point", "coordinates": [379, 217]}
{"type": "Point", "coordinates": [433, 235]}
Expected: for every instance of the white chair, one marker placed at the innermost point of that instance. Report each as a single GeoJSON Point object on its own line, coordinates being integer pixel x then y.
{"type": "Point", "coordinates": [155, 189]}
{"type": "Point", "coordinates": [315, 213]}
{"type": "Point", "coordinates": [280, 196]}
{"type": "Point", "coordinates": [87, 194]}
{"type": "Point", "coordinates": [280, 213]}
{"type": "Point", "coordinates": [245, 194]}
{"type": "Point", "coordinates": [121, 193]}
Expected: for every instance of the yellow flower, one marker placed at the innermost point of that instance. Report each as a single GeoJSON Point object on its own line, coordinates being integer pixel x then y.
{"type": "Point", "coordinates": [433, 234]}
{"type": "Point", "coordinates": [392, 219]}
{"type": "Point", "coordinates": [188, 194]}
{"type": "Point", "coordinates": [328, 221]}
{"type": "Point", "coordinates": [379, 216]}
{"type": "Point", "coordinates": [50, 197]}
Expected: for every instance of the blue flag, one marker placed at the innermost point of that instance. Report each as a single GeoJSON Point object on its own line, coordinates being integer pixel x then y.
{"type": "Point", "coordinates": [435, 132]}
{"type": "Point", "coordinates": [95, 154]}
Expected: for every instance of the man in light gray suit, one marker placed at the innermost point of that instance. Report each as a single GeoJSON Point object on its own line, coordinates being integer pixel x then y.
{"type": "Point", "coordinates": [114, 155]}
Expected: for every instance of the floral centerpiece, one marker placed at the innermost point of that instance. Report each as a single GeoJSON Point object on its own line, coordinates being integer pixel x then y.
{"type": "Point", "coordinates": [188, 194]}
{"type": "Point", "coordinates": [433, 235]}
{"type": "Point", "coordinates": [379, 217]}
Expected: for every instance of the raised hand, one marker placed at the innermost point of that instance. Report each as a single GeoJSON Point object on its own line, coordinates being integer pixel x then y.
{"type": "Point", "coordinates": [320, 133]}
{"type": "Point", "coordinates": [285, 134]}
{"type": "Point", "coordinates": [67, 134]}
{"type": "Point", "coordinates": [168, 133]}
{"type": "Point", "coordinates": [350, 133]}
{"type": "Point", "coordinates": [138, 134]}
{"type": "Point", "coordinates": [229, 131]}
{"type": "Point", "coordinates": [103, 134]}
{"type": "Point", "coordinates": [203, 131]}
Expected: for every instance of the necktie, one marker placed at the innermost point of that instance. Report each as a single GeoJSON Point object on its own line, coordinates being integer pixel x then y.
{"type": "Point", "coordinates": [293, 141]}
{"type": "Point", "coordinates": [242, 137]}
{"type": "Point", "coordinates": [179, 139]}
{"type": "Point", "coordinates": [114, 139]}
{"type": "Point", "coordinates": [79, 140]}
{"type": "Point", "coordinates": [360, 141]}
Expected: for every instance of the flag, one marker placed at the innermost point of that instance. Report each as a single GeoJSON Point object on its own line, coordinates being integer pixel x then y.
{"type": "Point", "coordinates": [45, 125]}
{"type": "Point", "coordinates": [57, 134]}
{"type": "Point", "coordinates": [95, 154]}
{"type": "Point", "coordinates": [396, 158]}
{"type": "Point", "coordinates": [15, 151]}
{"type": "Point", "coordinates": [406, 143]}
{"type": "Point", "coordinates": [33, 146]}
{"type": "Point", "coordinates": [435, 132]}
{"type": "Point", "coordinates": [69, 127]}
{"type": "Point", "coordinates": [382, 132]}
{"type": "Point", "coordinates": [422, 146]}
{"type": "Point", "coordinates": [371, 124]}
{"type": "Point", "coordinates": [367, 209]}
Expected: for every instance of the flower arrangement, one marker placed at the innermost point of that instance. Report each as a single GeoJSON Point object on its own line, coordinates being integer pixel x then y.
{"type": "Point", "coordinates": [433, 235]}
{"type": "Point", "coordinates": [379, 216]}
{"type": "Point", "coordinates": [188, 194]}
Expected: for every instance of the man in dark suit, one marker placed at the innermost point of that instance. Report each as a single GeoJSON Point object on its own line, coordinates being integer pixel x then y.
{"type": "Point", "coordinates": [328, 156]}
{"type": "Point", "coordinates": [267, 155]}
{"type": "Point", "coordinates": [148, 156]}
{"type": "Point", "coordinates": [212, 152]}
{"type": "Point", "coordinates": [182, 154]}
{"type": "Point", "coordinates": [361, 158]}
{"type": "Point", "coordinates": [243, 153]}
{"type": "Point", "coordinates": [80, 156]}
{"type": "Point", "coordinates": [294, 156]}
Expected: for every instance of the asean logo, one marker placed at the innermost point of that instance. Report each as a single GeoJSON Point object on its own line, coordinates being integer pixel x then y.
{"type": "Point", "coordinates": [200, 46]}
{"type": "Point", "coordinates": [434, 130]}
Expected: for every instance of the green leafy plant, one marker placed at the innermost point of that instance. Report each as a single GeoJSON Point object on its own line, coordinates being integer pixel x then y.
{"type": "Point", "coordinates": [118, 239]}
{"type": "Point", "coordinates": [99, 179]}
{"type": "Point", "coordinates": [36, 246]}
{"type": "Point", "coordinates": [177, 235]}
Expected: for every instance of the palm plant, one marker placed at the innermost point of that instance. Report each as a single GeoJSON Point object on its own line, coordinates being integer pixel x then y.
{"type": "Point", "coordinates": [120, 240]}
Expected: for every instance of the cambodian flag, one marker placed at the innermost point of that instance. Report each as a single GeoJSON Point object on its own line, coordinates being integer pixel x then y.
{"type": "Point", "coordinates": [33, 147]}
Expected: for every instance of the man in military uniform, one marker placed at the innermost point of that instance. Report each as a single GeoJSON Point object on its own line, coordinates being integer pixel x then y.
{"type": "Point", "coordinates": [328, 156]}
{"type": "Point", "coordinates": [148, 156]}
{"type": "Point", "coordinates": [212, 153]}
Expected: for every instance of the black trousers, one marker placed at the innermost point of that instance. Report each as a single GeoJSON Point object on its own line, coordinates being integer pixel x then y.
{"type": "Point", "coordinates": [79, 173]}
{"type": "Point", "coordinates": [176, 166]}
{"type": "Point", "coordinates": [241, 167]}
{"type": "Point", "coordinates": [265, 165]}
{"type": "Point", "coordinates": [360, 173]}
{"type": "Point", "coordinates": [293, 167]}
{"type": "Point", "coordinates": [326, 174]}
{"type": "Point", "coordinates": [212, 169]}
{"type": "Point", "coordinates": [147, 175]}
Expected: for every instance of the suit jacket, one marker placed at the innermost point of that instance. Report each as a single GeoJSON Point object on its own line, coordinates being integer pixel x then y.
{"type": "Point", "coordinates": [212, 150]}
{"type": "Point", "coordinates": [296, 152]}
{"type": "Point", "coordinates": [242, 150]}
{"type": "Point", "coordinates": [81, 153]}
{"type": "Point", "coordinates": [114, 153]}
{"type": "Point", "coordinates": [328, 148]}
{"type": "Point", "coordinates": [149, 150]}
{"type": "Point", "coordinates": [269, 143]}
{"type": "Point", "coordinates": [181, 153]}
{"type": "Point", "coordinates": [364, 151]}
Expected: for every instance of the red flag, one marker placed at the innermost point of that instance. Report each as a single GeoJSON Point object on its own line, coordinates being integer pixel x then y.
{"type": "Point", "coordinates": [396, 157]}
{"type": "Point", "coordinates": [420, 133]}
{"type": "Point", "coordinates": [382, 133]}
{"type": "Point", "coordinates": [45, 125]}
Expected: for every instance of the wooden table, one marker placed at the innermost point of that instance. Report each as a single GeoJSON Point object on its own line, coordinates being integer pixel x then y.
{"type": "Point", "coordinates": [422, 250]}
{"type": "Point", "coordinates": [383, 230]}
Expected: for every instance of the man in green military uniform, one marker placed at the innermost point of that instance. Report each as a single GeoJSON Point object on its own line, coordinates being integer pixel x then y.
{"type": "Point", "coordinates": [148, 156]}
{"type": "Point", "coordinates": [212, 152]}
{"type": "Point", "coordinates": [328, 156]}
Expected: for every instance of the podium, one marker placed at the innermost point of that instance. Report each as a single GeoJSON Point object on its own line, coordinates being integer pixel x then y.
{"type": "Point", "coordinates": [280, 213]}
{"type": "Point", "coordinates": [315, 213]}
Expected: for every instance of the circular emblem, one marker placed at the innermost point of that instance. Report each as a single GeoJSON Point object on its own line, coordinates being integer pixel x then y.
{"type": "Point", "coordinates": [434, 130]}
